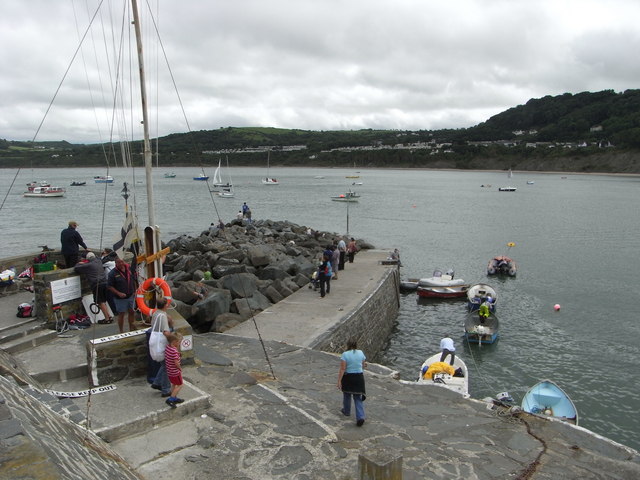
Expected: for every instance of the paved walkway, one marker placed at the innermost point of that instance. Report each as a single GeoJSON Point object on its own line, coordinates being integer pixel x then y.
{"type": "Point", "coordinates": [239, 422]}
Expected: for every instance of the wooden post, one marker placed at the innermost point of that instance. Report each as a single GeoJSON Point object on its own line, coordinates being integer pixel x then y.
{"type": "Point", "coordinates": [380, 465]}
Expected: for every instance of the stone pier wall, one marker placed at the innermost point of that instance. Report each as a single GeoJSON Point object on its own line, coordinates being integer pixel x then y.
{"type": "Point", "coordinates": [370, 323]}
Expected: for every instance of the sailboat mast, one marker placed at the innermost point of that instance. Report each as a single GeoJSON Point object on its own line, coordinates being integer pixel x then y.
{"type": "Point", "coordinates": [148, 159]}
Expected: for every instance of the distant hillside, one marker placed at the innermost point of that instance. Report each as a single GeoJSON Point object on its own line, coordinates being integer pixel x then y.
{"type": "Point", "coordinates": [586, 132]}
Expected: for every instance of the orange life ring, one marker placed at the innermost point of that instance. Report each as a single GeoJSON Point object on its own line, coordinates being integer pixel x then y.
{"type": "Point", "coordinates": [146, 287]}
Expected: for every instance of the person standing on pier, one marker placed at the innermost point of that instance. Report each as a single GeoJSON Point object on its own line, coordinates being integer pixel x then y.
{"type": "Point", "coordinates": [324, 276]}
{"type": "Point", "coordinates": [71, 240]}
{"type": "Point", "coordinates": [352, 249]}
{"type": "Point", "coordinates": [351, 380]}
{"type": "Point", "coordinates": [342, 248]}
{"type": "Point", "coordinates": [122, 283]}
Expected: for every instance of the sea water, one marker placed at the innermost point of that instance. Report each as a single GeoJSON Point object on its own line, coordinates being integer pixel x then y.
{"type": "Point", "coordinates": [576, 237]}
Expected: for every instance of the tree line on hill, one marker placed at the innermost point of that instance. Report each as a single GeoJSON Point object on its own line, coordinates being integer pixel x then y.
{"type": "Point", "coordinates": [585, 132]}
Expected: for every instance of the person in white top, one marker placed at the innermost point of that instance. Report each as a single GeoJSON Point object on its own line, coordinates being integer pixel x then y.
{"type": "Point", "coordinates": [448, 348]}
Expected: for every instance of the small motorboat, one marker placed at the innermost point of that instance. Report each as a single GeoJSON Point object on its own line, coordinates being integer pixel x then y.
{"type": "Point", "coordinates": [270, 181]}
{"type": "Point", "coordinates": [45, 192]}
{"type": "Point", "coordinates": [170, 175]}
{"type": "Point", "coordinates": [203, 178]}
{"type": "Point", "coordinates": [480, 330]}
{"type": "Point", "coordinates": [507, 189]}
{"type": "Point", "coordinates": [547, 399]}
{"type": "Point", "coordinates": [502, 265]}
{"type": "Point", "coordinates": [440, 375]}
{"type": "Point", "coordinates": [346, 197]}
{"type": "Point", "coordinates": [103, 179]}
{"type": "Point", "coordinates": [78, 184]}
{"type": "Point", "coordinates": [530, 182]}
{"type": "Point", "coordinates": [442, 285]}
{"type": "Point", "coordinates": [479, 293]}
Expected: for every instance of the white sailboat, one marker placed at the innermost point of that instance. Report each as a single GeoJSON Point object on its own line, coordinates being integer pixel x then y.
{"type": "Point", "coordinates": [269, 180]}
{"type": "Point", "coordinates": [509, 188]}
{"type": "Point", "coordinates": [217, 176]}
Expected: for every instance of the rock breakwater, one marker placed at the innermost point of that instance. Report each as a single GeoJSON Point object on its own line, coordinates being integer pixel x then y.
{"type": "Point", "coordinates": [224, 276]}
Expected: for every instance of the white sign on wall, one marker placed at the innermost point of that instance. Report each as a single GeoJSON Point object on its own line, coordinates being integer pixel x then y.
{"type": "Point", "coordinates": [65, 289]}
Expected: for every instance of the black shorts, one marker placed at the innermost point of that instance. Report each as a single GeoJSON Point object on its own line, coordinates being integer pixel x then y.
{"type": "Point", "coordinates": [99, 293]}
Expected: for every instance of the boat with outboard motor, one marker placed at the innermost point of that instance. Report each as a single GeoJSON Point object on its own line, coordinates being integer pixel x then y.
{"type": "Point", "coordinates": [481, 330]}
{"type": "Point", "coordinates": [480, 293]}
{"type": "Point", "coordinates": [78, 184]}
{"type": "Point", "coordinates": [442, 285]}
{"type": "Point", "coordinates": [346, 197]}
{"type": "Point", "coordinates": [502, 265]}
{"type": "Point", "coordinates": [546, 398]}
{"type": "Point", "coordinates": [103, 179]}
{"type": "Point", "coordinates": [435, 373]}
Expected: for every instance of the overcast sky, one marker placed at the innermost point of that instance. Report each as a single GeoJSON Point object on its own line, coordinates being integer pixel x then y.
{"type": "Point", "coordinates": [308, 64]}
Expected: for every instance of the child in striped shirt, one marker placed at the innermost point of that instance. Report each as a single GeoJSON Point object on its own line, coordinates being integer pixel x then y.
{"type": "Point", "coordinates": [174, 370]}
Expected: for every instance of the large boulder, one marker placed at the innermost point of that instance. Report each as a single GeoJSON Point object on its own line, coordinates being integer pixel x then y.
{"type": "Point", "coordinates": [241, 285]}
{"type": "Point", "coordinates": [259, 255]}
{"type": "Point", "coordinates": [204, 312]}
{"type": "Point", "coordinates": [272, 273]}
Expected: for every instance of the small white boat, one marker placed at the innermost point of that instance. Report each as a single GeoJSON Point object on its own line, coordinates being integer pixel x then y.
{"type": "Point", "coordinates": [269, 180]}
{"type": "Point", "coordinates": [442, 285]}
{"type": "Point", "coordinates": [548, 399]}
{"type": "Point", "coordinates": [103, 179]}
{"type": "Point", "coordinates": [226, 193]}
{"type": "Point", "coordinates": [170, 175]}
{"type": "Point", "coordinates": [202, 177]}
{"type": "Point", "coordinates": [458, 384]}
{"type": "Point", "coordinates": [507, 189]}
{"type": "Point", "coordinates": [45, 192]}
{"type": "Point", "coordinates": [409, 285]}
{"type": "Point", "coordinates": [530, 182]}
{"type": "Point", "coordinates": [479, 293]}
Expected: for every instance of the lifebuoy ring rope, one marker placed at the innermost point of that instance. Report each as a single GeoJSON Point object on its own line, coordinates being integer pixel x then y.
{"type": "Point", "coordinates": [150, 285]}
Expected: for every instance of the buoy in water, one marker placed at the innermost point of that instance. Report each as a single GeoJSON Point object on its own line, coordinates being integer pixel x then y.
{"type": "Point", "coordinates": [556, 307]}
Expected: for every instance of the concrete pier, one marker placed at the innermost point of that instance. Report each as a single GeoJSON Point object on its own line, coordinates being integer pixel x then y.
{"type": "Point", "coordinates": [251, 415]}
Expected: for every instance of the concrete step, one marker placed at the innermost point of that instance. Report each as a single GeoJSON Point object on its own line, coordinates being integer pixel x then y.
{"type": "Point", "coordinates": [29, 341]}
{"type": "Point", "coordinates": [145, 409]}
{"type": "Point", "coordinates": [22, 327]}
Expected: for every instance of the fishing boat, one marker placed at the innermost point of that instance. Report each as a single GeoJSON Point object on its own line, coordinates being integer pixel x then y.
{"type": "Point", "coordinates": [458, 382]}
{"type": "Point", "coordinates": [346, 197]}
{"type": "Point", "coordinates": [268, 180]}
{"type": "Point", "coordinates": [103, 179]}
{"type": "Point", "coordinates": [502, 265]}
{"type": "Point", "coordinates": [478, 330]}
{"type": "Point", "coordinates": [78, 184]}
{"type": "Point", "coordinates": [546, 398]}
{"type": "Point", "coordinates": [442, 285]}
{"type": "Point", "coordinates": [170, 175]}
{"type": "Point", "coordinates": [479, 293]}
{"type": "Point", "coordinates": [45, 192]}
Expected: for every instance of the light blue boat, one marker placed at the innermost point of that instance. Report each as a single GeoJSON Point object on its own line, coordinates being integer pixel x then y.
{"type": "Point", "coordinates": [548, 399]}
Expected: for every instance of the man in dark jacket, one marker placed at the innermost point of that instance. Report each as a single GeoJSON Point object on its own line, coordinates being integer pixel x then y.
{"type": "Point", "coordinates": [122, 283]}
{"type": "Point", "coordinates": [71, 240]}
{"type": "Point", "coordinates": [94, 273]}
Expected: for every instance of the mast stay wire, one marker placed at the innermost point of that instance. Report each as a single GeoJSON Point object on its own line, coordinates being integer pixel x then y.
{"type": "Point", "coordinates": [164, 53]}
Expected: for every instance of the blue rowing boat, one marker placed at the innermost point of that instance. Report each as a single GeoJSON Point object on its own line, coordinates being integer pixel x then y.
{"type": "Point", "coordinates": [548, 399]}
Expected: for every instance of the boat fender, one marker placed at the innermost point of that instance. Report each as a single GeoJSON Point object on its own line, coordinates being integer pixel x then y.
{"type": "Point", "coordinates": [146, 287]}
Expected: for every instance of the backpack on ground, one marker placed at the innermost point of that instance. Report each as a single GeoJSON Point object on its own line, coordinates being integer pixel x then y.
{"type": "Point", "coordinates": [24, 310]}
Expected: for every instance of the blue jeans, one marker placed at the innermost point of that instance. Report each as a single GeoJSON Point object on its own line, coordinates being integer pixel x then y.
{"type": "Point", "coordinates": [357, 401]}
{"type": "Point", "coordinates": [162, 379]}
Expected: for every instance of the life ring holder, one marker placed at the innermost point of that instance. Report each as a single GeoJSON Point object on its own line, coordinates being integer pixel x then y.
{"type": "Point", "coordinates": [149, 285]}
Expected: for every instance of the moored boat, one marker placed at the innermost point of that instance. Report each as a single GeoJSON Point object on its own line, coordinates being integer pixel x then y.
{"type": "Point", "coordinates": [442, 285]}
{"type": "Point", "coordinates": [202, 177]}
{"type": "Point", "coordinates": [170, 175]}
{"type": "Point", "coordinates": [546, 398]}
{"type": "Point", "coordinates": [103, 179]}
{"type": "Point", "coordinates": [479, 330]}
{"type": "Point", "coordinates": [479, 293]}
{"type": "Point", "coordinates": [34, 184]}
{"type": "Point", "coordinates": [45, 192]}
{"type": "Point", "coordinates": [409, 285]}
{"type": "Point", "coordinates": [433, 373]}
{"type": "Point", "coordinates": [78, 184]}
{"type": "Point", "coordinates": [502, 265]}
{"type": "Point", "coordinates": [507, 189]}
{"type": "Point", "coordinates": [346, 197]}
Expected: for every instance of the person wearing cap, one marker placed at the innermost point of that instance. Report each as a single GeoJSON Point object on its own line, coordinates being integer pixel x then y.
{"type": "Point", "coordinates": [93, 271]}
{"type": "Point", "coordinates": [71, 241]}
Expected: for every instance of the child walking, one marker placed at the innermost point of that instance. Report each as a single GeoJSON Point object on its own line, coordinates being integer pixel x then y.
{"type": "Point", "coordinates": [174, 369]}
